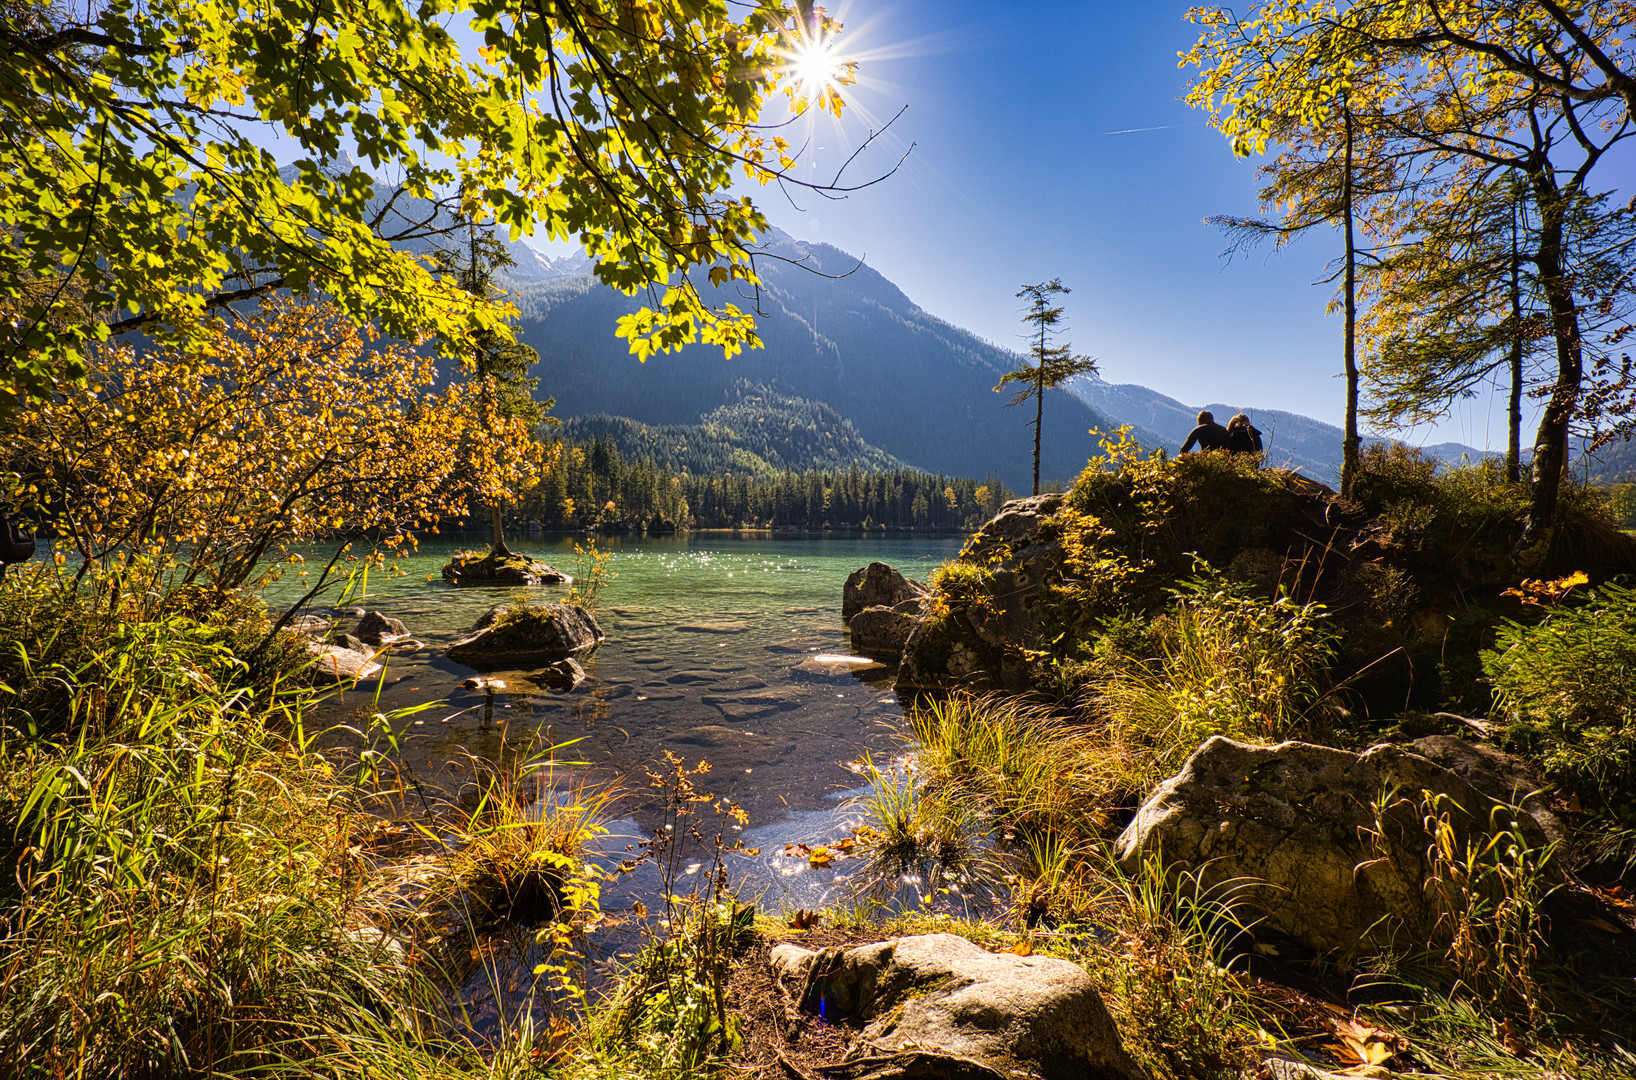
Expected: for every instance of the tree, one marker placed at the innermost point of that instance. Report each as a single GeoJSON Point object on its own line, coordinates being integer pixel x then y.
{"type": "Point", "coordinates": [1462, 88]}
{"type": "Point", "coordinates": [133, 195]}
{"type": "Point", "coordinates": [1052, 364]}
{"type": "Point", "coordinates": [202, 465]}
{"type": "Point", "coordinates": [499, 366]}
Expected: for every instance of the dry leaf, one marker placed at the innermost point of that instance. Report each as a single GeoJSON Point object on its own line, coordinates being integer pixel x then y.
{"type": "Point", "coordinates": [1365, 1044]}
{"type": "Point", "coordinates": [1022, 948]}
{"type": "Point", "coordinates": [820, 856]}
{"type": "Point", "coordinates": [805, 920]}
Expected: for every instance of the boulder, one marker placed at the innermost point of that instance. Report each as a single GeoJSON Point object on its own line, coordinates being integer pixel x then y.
{"type": "Point", "coordinates": [877, 585]}
{"type": "Point", "coordinates": [377, 629]}
{"type": "Point", "coordinates": [507, 569]}
{"type": "Point", "coordinates": [333, 664]}
{"type": "Point", "coordinates": [936, 1005]}
{"type": "Point", "coordinates": [1496, 774]}
{"type": "Point", "coordinates": [565, 674]}
{"type": "Point", "coordinates": [315, 625]}
{"type": "Point", "coordinates": [881, 631]}
{"type": "Point", "coordinates": [527, 636]}
{"type": "Point", "coordinates": [1329, 847]}
{"type": "Point", "coordinates": [977, 643]}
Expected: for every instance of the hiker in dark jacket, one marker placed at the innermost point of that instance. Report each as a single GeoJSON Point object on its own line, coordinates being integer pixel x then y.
{"type": "Point", "coordinates": [1242, 437]}
{"type": "Point", "coordinates": [1209, 435]}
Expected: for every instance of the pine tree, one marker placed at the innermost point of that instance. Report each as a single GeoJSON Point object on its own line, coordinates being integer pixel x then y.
{"type": "Point", "coordinates": [1052, 364]}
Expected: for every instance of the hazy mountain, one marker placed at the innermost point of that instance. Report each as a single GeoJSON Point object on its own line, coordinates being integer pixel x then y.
{"type": "Point", "coordinates": [836, 332]}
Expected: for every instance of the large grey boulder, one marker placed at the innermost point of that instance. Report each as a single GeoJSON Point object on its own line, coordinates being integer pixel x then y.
{"type": "Point", "coordinates": [526, 636]}
{"type": "Point", "coordinates": [978, 642]}
{"type": "Point", "coordinates": [937, 1005]}
{"type": "Point", "coordinates": [1328, 846]}
{"type": "Point", "coordinates": [876, 585]}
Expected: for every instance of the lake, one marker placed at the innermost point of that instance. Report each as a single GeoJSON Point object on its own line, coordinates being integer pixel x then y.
{"type": "Point", "coordinates": [710, 648]}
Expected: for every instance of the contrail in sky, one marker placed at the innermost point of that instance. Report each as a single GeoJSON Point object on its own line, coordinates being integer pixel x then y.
{"type": "Point", "coordinates": [1128, 131]}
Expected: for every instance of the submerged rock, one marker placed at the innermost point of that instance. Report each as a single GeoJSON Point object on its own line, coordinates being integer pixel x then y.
{"type": "Point", "coordinates": [308, 624]}
{"type": "Point", "coordinates": [336, 664]}
{"type": "Point", "coordinates": [527, 636]}
{"type": "Point", "coordinates": [377, 629]}
{"type": "Point", "coordinates": [508, 569]}
{"type": "Point", "coordinates": [565, 674]}
{"type": "Point", "coordinates": [936, 1005]}
{"type": "Point", "coordinates": [877, 585]}
{"type": "Point", "coordinates": [1328, 845]}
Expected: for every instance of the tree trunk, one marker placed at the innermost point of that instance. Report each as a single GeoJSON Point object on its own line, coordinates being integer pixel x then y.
{"type": "Point", "coordinates": [1351, 442]}
{"type": "Point", "coordinates": [497, 518]}
{"type": "Point", "coordinates": [1513, 416]}
{"type": "Point", "coordinates": [1039, 415]}
{"type": "Point", "coordinates": [1551, 438]}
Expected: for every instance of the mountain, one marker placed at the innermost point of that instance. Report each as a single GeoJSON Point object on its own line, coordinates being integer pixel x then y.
{"type": "Point", "coordinates": [758, 433]}
{"type": "Point", "coordinates": [835, 332]}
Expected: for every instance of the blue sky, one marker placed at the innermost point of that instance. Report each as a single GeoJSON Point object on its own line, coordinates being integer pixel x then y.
{"type": "Point", "coordinates": [1051, 140]}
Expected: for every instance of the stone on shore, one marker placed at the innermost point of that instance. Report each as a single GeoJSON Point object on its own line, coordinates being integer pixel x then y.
{"type": "Point", "coordinates": [1329, 847]}
{"type": "Point", "coordinates": [937, 1005]}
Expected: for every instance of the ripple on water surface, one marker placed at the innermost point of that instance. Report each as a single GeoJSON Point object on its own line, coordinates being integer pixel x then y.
{"type": "Point", "coordinates": [712, 652]}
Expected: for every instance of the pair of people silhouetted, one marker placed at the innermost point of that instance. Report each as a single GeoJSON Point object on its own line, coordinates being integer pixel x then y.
{"type": "Point", "coordinates": [1238, 437]}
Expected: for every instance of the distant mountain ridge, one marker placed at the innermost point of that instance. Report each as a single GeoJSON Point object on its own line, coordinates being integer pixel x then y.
{"type": "Point", "coordinates": [1291, 441]}
{"type": "Point", "coordinates": [759, 433]}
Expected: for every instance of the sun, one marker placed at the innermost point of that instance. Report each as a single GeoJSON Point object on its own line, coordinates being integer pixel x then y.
{"type": "Point", "coordinates": [816, 68]}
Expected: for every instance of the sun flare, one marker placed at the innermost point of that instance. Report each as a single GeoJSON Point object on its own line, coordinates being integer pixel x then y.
{"type": "Point", "coordinates": [816, 68]}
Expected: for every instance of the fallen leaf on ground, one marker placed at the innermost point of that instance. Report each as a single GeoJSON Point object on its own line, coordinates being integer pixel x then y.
{"type": "Point", "coordinates": [1366, 1044]}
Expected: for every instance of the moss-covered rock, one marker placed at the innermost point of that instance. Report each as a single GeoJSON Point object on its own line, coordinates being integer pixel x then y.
{"type": "Point", "coordinates": [1411, 571]}
{"type": "Point", "coordinates": [491, 568]}
{"type": "Point", "coordinates": [527, 635]}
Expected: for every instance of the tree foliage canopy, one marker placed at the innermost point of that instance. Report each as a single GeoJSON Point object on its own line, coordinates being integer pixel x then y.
{"type": "Point", "coordinates": [135, 194]}
{"type": "Point", "coordinates": [289, 429]}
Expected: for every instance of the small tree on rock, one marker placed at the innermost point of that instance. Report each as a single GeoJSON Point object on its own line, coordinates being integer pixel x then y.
{"type": "Point", "coordinates": [1052, 364]}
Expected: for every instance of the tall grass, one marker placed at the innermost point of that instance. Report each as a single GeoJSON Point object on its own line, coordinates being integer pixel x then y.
{"type": "Point", "coordinates": [1232, 664]}
{"type": "Point", "coordinates": [188, 898]}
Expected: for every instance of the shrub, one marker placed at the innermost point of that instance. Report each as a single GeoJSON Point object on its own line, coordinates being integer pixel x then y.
{"type": "Point", "coordinates": [1568, 685]}
{"type": "Point", "coordinates": [1233, 665]}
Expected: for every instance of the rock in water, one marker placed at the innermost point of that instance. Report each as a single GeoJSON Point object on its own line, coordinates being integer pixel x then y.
{"type": "Point", "coordinates": [527, 636]}
{"type": "Point", "coordinates": [877, 585]}
{"type": "Point", "coordinates": [565, 674]}
{"type": "Point", "coordinates": [377, 629]}
{"type": "Point", "coordinates": [509, 569]}
{"type": "Point", "coordinates": [936, 1005]}
{"type": "Point", "coordinates": [978, 641]}
{"type": "Point", "coordinates": [1293, 830]}
{"type": "Point", "coordinates": [881, 631]}
{"type": "Point", "coordinates": [333, 664]}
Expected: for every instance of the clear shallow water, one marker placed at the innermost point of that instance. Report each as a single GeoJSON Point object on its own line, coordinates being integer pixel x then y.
{"type": "Point", "coordinates": [711, 640]}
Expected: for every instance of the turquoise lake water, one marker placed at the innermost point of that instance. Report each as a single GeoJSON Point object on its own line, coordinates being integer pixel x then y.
{"type": "Point", "coordinates": [710, 654]}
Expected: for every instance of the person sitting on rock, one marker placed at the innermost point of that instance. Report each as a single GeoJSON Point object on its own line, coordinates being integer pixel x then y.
{"type": "Point", "coordinates": [1242, 436]}
{"type": "Point", "coordinates": [1209, 435]}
